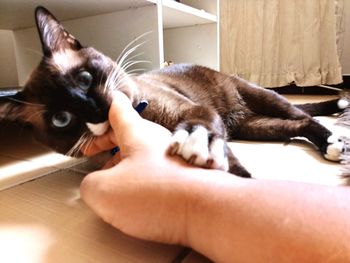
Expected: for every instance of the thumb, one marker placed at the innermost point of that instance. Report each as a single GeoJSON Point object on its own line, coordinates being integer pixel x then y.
{"type": "Point", "coordinates": [122, 116]}
{"type": "Point", "coordinates": [95, 190]}
{"type": "Point", "coordinates": [126, 123]}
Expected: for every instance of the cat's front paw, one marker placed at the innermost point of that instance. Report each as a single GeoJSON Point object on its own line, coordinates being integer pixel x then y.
{"type": "Point", "coordinates": [199, 147]}
{"type": "Point", "coordinates": [336, 146]}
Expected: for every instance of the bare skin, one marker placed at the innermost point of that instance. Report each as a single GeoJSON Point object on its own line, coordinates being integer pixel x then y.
{"type": "Point", "coordinates": [149, 195]}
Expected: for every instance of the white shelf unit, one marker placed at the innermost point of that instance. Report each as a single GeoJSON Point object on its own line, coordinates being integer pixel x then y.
{"type": "Point", "coordinates": [190, 32]}
{"type": "Point", "coordinates": [176, 14]}
{"type": "Point", "coordinates": [185, 32]}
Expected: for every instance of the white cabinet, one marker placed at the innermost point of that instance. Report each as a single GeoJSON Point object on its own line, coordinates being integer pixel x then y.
{"type": "Point", "coordinates": [185, 32]}
{"type": "Point", "coordinates": [190, 31]}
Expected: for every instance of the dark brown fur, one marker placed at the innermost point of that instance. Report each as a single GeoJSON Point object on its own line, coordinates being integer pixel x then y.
{"type": "Point", "coordinates": [180, 96]}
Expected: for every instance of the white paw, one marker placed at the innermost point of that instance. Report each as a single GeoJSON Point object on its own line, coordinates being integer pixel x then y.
{"type": "Point", "coordinates": [343, 103]}
{"type": "Point", "coordinates": [335, 148]}
{"type": "Point", "coordinates": [195, 148]}
{"type": "Point", "coordinates": [217, 153]}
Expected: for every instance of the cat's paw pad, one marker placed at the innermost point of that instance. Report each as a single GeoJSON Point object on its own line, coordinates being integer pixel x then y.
{"type": "Point", "coordinates": [335, 148]}
{"type": "Point", "coordinates": [196, 148]}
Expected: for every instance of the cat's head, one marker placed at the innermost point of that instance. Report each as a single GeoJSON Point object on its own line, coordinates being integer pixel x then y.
{"type": "Point", "coordinates": [66, 96]}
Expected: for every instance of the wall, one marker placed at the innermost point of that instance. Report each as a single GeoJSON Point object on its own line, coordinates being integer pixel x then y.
{"type": "Point", "coordinates": [109, 33]}
{"type": "Point", "coordinates": [193, 43]}
{"type": "Point", "coordinates": [8, 71]}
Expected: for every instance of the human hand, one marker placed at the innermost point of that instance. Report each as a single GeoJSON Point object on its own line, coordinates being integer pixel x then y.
{"type": "Point", "coordinates": [145, 193]}
{"type": "Point", "coordinates": [151, 196]}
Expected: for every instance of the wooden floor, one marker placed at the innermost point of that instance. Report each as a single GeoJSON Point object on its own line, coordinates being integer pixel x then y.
{"type": "Point", "coordinates": [42, 218]}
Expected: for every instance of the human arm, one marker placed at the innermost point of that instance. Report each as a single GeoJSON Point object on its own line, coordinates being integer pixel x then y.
{"type": "Point", "coordinates": [152, 196]}
{"type": "Point", "coordinates": [270, 221]}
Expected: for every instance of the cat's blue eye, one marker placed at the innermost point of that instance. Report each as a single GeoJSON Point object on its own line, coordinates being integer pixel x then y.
{"type": "Point", "coordinates": [61, 119]}
{"type": "Point", "coordinates": [84, 80]}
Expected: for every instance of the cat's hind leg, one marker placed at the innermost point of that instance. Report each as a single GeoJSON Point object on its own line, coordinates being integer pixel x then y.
{"type": "Point", "coordinates": [267, 102]}
{"type": "Point", "coordinates": [265, 128]}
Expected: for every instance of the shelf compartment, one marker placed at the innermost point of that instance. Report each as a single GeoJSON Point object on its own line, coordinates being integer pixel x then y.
{"type": "Point", "coordinates": [176, 14]}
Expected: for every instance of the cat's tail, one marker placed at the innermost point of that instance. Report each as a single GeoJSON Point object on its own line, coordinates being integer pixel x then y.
{"type": "Point", "coordinates": [324, 108]}
{"type": "Point", "coordinates": [329, 107]}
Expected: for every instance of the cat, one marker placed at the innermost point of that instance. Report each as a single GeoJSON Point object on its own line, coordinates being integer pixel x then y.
{"type": "Point", "coordinates": [67, 97]}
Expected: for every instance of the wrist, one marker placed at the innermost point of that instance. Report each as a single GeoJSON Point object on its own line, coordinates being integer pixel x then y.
{"type": "Point", "coordinates": [207, 203]}
{"type": "Point", "coordinates": [186, 202]}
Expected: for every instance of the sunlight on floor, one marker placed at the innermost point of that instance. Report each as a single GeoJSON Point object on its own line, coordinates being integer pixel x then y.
{"type": "Point", "coordinates": [20, 243]}
{"type": "Point", "coordinates": [17, 171]}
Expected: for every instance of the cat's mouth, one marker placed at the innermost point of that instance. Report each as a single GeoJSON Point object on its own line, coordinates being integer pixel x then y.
{"type": "Point", "coordinates": [98, 129]}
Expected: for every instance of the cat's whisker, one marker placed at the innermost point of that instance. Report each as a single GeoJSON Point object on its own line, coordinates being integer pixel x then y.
{"type": "Point", "coordinates": [89, 142]}
{"type": "Point", "coordinates": [136, 70]}
{"type": "Point", "coordinates": [106, 84]}
{"type": "Point", "coordinates": [134, 41]}
{"type": "Point", "coordinates": [101, 81]}
{"type": "Point", "coordinates": [86, 141]}
{"type": "Point", "coordinates": [74, 151]}
{"type": "Point", "coordinates": [108, 79]}
{"type": "Point", "coordinates": [131, 58]}
{"type": "Point", "coordinates": [127, 53]}
{"type": "Point", "coordinates": [118, 72]}
{"type": "Point", "coordinates": [126, 78]}
{"type": "Point", "coordinates": [120, 81]}
{"type": "Point", "coordinates": [124, 61]}
{"type": "Point", "coordinates": [130, 44]}
{"type": "Point", "coordinates": [134, 56]}
{"type": "Point", "coordinates": [126, 57]}
{"type": "Point", "coordinates": [34, 115]}
{"type": "Point", "coordinates": [79, 147]}
{"type": "Point", "coordinates": [26, 102]}
{"type": "Point", "coordinates": [132, 63]}
{"type": "Point", "coordinates": [113, 79]}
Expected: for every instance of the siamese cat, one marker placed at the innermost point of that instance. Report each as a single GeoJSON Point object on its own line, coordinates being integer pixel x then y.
{"type": "Point", "coordinates": [67, 97]}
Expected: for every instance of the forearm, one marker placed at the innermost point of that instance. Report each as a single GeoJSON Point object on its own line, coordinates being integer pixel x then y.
{"type": "Point", "coordinates": [240, 220]}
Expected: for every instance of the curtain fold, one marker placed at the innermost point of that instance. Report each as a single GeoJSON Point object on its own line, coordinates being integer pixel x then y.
{"type": "Point", "coordinates": [277, 42]}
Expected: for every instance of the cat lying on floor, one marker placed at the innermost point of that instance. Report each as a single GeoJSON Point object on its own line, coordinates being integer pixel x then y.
{"type": "Point", "coordinates": [67, 98]}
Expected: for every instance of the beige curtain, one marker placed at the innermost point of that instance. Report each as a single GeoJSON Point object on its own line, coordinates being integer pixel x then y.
{"type": "Point", "coordinates": [277, 42]}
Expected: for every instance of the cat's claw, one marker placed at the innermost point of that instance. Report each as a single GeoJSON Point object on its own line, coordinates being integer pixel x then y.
{"type": "Point", "coordinates": [195, 148]}
{"type": "Point", "coordinates": [335, 148]}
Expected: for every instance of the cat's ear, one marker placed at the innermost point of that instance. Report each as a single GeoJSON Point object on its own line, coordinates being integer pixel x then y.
{"type": "Point", "coordinates": [52, 34]}
{"type": "Point", "coordinates": [10, 107]}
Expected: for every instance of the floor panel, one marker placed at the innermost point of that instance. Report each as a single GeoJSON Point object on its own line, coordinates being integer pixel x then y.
{"type": "Point", "coordinates": [47, 222]}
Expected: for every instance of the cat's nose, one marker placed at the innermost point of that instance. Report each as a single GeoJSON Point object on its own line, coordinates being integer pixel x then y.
{"type": "Point", "coordinates": [91, 109]}
{"type": "Point", "coordinates": [96, 115]}
{"type": "Point", "coordinates": [102, 114]}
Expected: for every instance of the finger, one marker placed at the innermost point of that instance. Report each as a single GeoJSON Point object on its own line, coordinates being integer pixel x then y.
{"type": "Point", "coordinates": [93, 190]}
{"type": "Point", "coordinates": [122, 118]}
{"type": "Point", "coordinates": [122, 115]}
{"type": "Point", "coordinates": [113, 161]}
{"type": "Point", "coordinates": [100, 144]}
